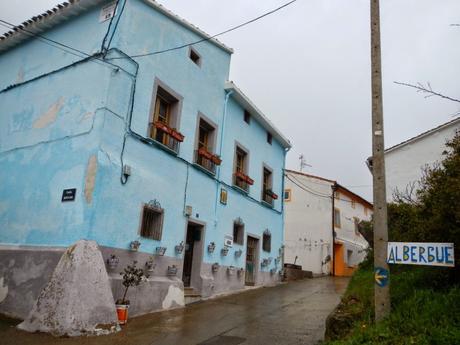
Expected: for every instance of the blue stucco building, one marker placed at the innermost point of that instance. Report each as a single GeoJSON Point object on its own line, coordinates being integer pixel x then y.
{"type": "Point", "coordinates": [107, 134]}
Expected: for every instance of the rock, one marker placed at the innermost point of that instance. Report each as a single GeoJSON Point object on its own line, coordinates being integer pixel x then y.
{"type": "Point", "coordinates": [78, 299]}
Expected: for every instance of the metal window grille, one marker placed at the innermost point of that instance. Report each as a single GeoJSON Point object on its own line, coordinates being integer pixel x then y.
{"type": "Point", "coordinates": [152, 222]}
{"type": "Point", "coordinates": [238, 233]}
{"type": "Point", "coordinates": [267, 241]}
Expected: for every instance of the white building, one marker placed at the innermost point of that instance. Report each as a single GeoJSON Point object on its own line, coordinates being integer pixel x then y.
{"type": "Point", "coordinates": [405, 162]}
{"type": "Point", "coordinates": [314, 220]}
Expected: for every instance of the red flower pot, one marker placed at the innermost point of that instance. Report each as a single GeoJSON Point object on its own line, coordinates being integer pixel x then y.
{"type": "Point", "coordinates": [122, 313]}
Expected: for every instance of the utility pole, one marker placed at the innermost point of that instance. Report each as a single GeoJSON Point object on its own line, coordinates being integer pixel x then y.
{"type": "Point", "coordinates": [381, 291]}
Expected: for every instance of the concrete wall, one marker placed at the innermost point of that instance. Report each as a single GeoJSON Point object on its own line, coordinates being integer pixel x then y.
{"type": "Point", "coordinates": [404, 164]}
{"type": "Point", "coordinates": [67, 131]}
{"type": "Point", "coordinates": [308, 231]}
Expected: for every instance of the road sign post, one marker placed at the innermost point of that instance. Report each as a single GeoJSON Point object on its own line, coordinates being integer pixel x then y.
{"type": "Point", "coordinates": [381, 291]}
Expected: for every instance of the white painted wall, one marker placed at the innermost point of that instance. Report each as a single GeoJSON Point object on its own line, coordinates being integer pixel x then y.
{"type": "Point", "coordinates": [308, 232]}
{"type": "Point", "coordinates": [352, 240]}
{"type": "Point", "coordinates": [308, 224]}
{"type": "Point", "coordinates": [404, 163]}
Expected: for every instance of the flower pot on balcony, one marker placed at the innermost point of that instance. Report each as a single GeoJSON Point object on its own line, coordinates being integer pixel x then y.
{"type": "Point", "coordinates": [162, 127]}
{"type": "Point", "coordinates": [205, 153]}
{"type": "Point", "coordinates": [177, 135]}
{"type": "Point", "coordinates": [216, 160]}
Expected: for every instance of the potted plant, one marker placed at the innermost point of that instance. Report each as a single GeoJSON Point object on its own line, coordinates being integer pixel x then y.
{"type": "Point", "coordinates": [150, 264]}
{"type": "Point", "coordinates": [132, 276]}
{"type": "Point", "coordinates": [113, 261]}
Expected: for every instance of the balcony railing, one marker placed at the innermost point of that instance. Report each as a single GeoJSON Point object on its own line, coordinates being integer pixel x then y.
{"type": "Point", "coordinates": [242, 181]}
{"type": "Point", "coordinates": [167, 136]}
{"type": "Point", "coordinates": [207, 160]}
{"type": "Point", "coordinates": [268, 196]}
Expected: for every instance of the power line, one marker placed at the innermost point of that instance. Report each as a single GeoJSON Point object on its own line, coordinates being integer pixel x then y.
{"type": "Point", "coordinates": [213, 36]}
{"type": "Point", "coordinates": [55, 44]}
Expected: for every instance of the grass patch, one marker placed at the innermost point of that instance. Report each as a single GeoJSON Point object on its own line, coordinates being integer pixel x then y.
{"type": "Point", "coordinates": [425, 309]}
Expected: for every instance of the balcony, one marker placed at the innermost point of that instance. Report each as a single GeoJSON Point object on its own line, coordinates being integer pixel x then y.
{"type": "Point", "coordinates": [207, 160]}
{"type": "Point", "coordinates": [167, 136]}
{"type": "Point", "coordinates": [268, 197]}
{"type": "Point", "coordinates": [242, 181]}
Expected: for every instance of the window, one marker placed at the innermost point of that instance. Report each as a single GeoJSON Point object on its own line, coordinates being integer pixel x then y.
{"type": "Point", "coordinates": [238, 231]}
{"type": "Point", "coordinates": [165, 119]}
{"type": "Point", "coordinates": [349, 257]}
{"type": "Point", "coordinates": [336, 218]}
{"type": "Point", "coordinates": [353, 203]}
{"type": "Point", "coordinates": [152, 222]}
{"type": "Point", "coordinates": [269, 138]}
{"type": "Point", "coordinates": [204, 154]}
{"type": "Point", "coordinates": [287, 195]}
{"type": "Point", "coordinates": [195, 57]}
{"type": "Point", "coordinates": [241, 179]}
{"type": "Point", "coordinates": [365, 210]}
{"type": "Point", "coordinates": [247, 117]}
{"type": "Point", "coordinates": [336, 195]}
{"type": "Point", "coordinates": [267, 193]}
{"type": "Point", "coordinates": [267, 241]}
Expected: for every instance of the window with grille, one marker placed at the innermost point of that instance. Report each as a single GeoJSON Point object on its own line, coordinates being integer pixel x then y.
{"type": "Point", "coordinates": [267, 241]}
{"type": "Point", "coordinates": [267, 185]}
{"type": "Point", "coordinates": [238, 232]}
{"type": "Point", "coordinates": [152, 222]}
{"type": "Point", "coordinates": [164, 117]}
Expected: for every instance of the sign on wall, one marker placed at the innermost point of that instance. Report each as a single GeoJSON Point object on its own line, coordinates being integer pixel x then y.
{"type": "Point", "coordinates": [417, 253]}
{"type": "Point", "coordinates": [107, 12]}
{"type": "Point", "coordinates": [68, 194]}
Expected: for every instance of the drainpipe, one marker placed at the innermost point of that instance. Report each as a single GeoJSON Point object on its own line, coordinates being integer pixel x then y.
{"type": "Point", "coordinates": [334, 188]}
{"type": "Point", "coordinates": [221, 145]}
{"type": "Point", "coordinates": [286, 150]}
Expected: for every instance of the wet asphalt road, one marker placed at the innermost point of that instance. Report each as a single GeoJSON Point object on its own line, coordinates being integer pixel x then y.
{"type": "Point", "coordinates": [290, 313]}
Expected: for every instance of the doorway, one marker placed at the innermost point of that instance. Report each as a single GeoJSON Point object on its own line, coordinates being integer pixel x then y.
{"type": "Point", "coordinates": [192, 254]}
{"type": "Point", "coordinates": [251, 260]}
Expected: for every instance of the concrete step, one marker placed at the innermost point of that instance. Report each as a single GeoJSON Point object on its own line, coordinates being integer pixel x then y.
{"type": "Point", "coordinates": [191, 296]}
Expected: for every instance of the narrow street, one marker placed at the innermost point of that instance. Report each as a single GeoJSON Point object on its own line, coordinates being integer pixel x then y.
{"type": "Point", "coordinates": [291, 313]}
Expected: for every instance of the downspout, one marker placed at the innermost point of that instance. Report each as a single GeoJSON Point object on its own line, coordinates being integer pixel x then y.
{"type": "Point", "coordinates": [221, 145]}
{"type": "Point", "coordinates": [334, 188]}
{"type": "Point", "coordinates": [286, 150]}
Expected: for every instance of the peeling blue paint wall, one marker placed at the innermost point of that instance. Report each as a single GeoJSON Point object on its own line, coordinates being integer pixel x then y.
{"type": "Point", "coordinates": [66, 130]}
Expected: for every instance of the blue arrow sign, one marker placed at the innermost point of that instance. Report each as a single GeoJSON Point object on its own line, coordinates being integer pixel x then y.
{"type": "Point", "coordinates": [381, 276]}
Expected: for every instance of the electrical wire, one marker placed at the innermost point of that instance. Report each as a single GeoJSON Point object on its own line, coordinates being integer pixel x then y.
{"type": "Point", "coordinates": [156, 52]}
{"type": "Point", "coordinates": [56, 44]}
{"type": "Point", "coordinates": [213, 36]}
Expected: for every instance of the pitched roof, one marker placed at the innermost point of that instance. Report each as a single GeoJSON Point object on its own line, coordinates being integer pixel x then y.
{"type": "Point", "coordinates": [339, 187]}
{"type": "Point", "coordinates": [246, 103]}
{"type": "Point", "coordinates": [71, 8]}
{"type": "Point", "coordinates": [424, 134]}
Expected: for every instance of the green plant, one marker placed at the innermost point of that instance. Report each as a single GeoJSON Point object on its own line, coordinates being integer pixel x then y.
{"type": "Point", "coordinates": [132, 276]}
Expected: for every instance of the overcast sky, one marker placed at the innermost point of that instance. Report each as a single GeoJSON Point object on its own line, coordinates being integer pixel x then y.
{"type": "Point", "coordinates": [307, 67]}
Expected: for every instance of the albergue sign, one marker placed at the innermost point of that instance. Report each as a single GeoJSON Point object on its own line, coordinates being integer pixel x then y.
{"type": "Point", "coordinates": [417, 253]}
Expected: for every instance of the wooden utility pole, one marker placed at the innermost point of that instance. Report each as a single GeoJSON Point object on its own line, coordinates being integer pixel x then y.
{"type": "Point", "coordinates": [381, 287]}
